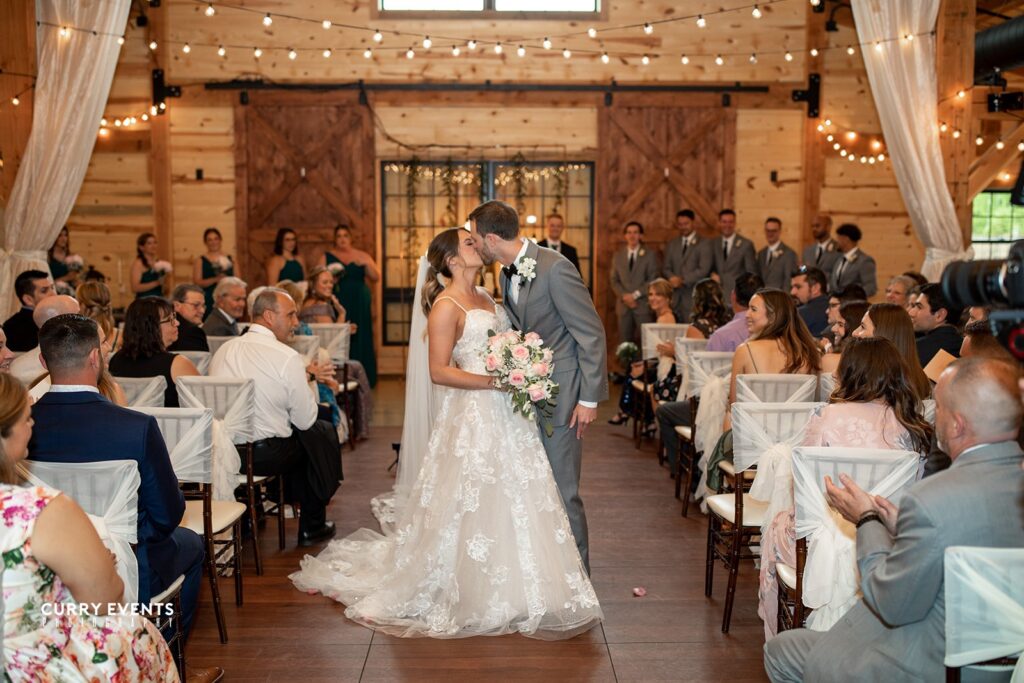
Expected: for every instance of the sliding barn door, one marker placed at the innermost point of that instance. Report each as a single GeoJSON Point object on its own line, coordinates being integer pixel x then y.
{"type": "Point", "coordinates": [304, 161]}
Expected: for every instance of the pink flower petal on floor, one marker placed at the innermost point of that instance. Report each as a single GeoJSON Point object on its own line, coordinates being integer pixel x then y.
{"type": "Point", "coordinates": [639, 591]}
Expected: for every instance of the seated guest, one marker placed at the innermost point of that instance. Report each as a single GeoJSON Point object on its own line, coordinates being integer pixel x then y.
{"type": "Point", "coordinates": [75, 424]}
{"type": "Point", "coordinates": [898, 290]}
{"type": "Point", "coordinates": [30, 287]}
{"type": "Point", "coordinates": [933, 317]}
{"type": "Point", "coordinates": [809, 287]}
{"type": "Point", "coordinates": [979, 341]}
{"type": "Point", "coordinates": [896, 631]}
{"type": "Point", "coordinates": [892, 322]}
{"type": "Point", "coordinates": [850, 315]}
{"type": "Point", "coordinates": [189, 307]}
{"type": "Point", "coordinates": [735, 332]}
{"type": "Point", "coordinates": [709, 311]}
{"type": "Point", "coordinates": [978, 313]}
{"type": "Point", "coordinates": [6, 355]}
{"type": "Point", "coordinates": [228, 307]}
{"type": "Point", "coordinates": [919, 279]}
{"type": "Point", "coordinates": [27, 367]}
{"type": "Point", "coordinates": [320, 305]}
{"type": "Point", "coordinates": [288, 438]}
{"type": "Point", "coordinates": [149, 328]}
{"type": "Point", "coordinates": [56, 558]}
{"type": "Point", "coordinates": [873, 406]}
{"type": "Point", "coordinates": [94, 298]}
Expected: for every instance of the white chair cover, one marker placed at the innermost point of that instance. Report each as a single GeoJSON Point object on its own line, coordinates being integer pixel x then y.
{"type": "Point", "coordinates": [143, 391]}
{"type": "Point", "coordinates": [826, 385]}
{"type": "Point", "coordinates": [233, 404]}
{"type": "Point", "coordinates": [984, 606]}
{"type": "Point", "coordinates": [830, 582]}
{"type": "Point", "coordinates": [652, 334]}
{"type": "Point", "coordinates": [928, 410]}
{"type": "Point", "coordinates": [765, 434]}
{"type": "Point", "coordinates": [684, 347]}
{"type": "Point", "coordinates": [307, 345]}
{"type": "Point", "coordinates": [780, 388]}
{"type": "Point", "coordinates": [335, 337]}
{"type": "Point", "coordinates": [201, 359]}
{"type": "Point", "coordinates": [216, 342]}
{"type": "Point", "coordinates": [709, 378]}
{"type": "Point", "coordinates": [43, 386]}
{"type": "Point", "coordinates": [188, 433]}
{"type": "Point", "coordinates": [108, 491]}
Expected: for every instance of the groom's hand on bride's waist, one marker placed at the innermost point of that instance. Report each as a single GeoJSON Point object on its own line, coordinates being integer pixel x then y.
{"type": "Point", "coordinates": [581, 417]}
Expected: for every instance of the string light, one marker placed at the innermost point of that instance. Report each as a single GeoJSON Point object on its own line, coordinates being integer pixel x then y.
{"type": "Point", "coordinates": [257, 53]}
{"type": "Point", "coordinates": [701, 21]}
{"type": "Point", "coordinates": [1004, 176]}
{"type": "Point", "coordinates": [377, 36]}
{"type": "Point", "coordinates": [456, 51]}
{"type": "Point", "coordinates": [367, 53]}
{"type": "Point", "coordinates": [1000, 144]}
{"type": "Point", "coordinates": [210, 11]}
{"type": "Point", "coordinates": [1020, 146]}
{"type": "Point", "coordinates": [152, 45]}
{"type": "Point", "coordinates": [292, 54]}
{"type": "Point", "coordinates": [186, 48]}
{"type": "Point", "coordinates": [878, 46]}
{"type": "Point", "coordinates": [326, 23]}
{"type": "Point", "coordinates": [788, 57]}
{"type": "Point", "coordinates": [836, 146]}
{"type": "Point", "coordinates": [267, 19]}
{"type": "Point", "coordinates": [719, 61]}
{"type": "Point", "coordinates": [956, 134]}
{"type": "Point", "coordinates": [120, 40]}
{"type": "Point", "coordinates": [908, 38]}
{"type": "Point", "coordinates": [221, 52]}
{"type": "Point", "coordinates": [15, 101]}
{"type": "Point", "coordinates": [881, 157]}
{"type": "Point", "coordinates": [960, 94]}
{"type": "Point", "coordinates": [684, 60]}
{"type": "Point", "coordinates": [645, 60]}
{"type": "Point", "coordinates": [521, 51]}
{"type": "Point", "coordinates": [814, 52]}
{"type": "Point", "coordinates": [497, 48]}
{"type": "Point", "coordinates": [756, 12]}
{"type": "Point", "coordinates": [943, 127]}
{"type": "Point", "coordinates": [815, 3]}
{"type": "Point", "coordinates": [753, 60]}
{"type": "Point", "coordinates": [851, 50]}
{"type": "Point", "coordinates": [979, 141]}
{"type": "Point", "coordinates": [410, 53]}
{"type": "Point", "coordinates": [326, 53]}
{"type": "Point", "coordinates": [648, 29]}
{"type": "Point", "coordinates": [546, 43]}
{"type": "Point", "coordinates": [427, 42]}
{"type": "Point", "coordinates": [65, 32]}
{"type": "Point", "coordinates": [605, 58]}
{"type": "Point", "coordinates": [592, 32]}
{"type": "Point", "coordinates": [566, 53]}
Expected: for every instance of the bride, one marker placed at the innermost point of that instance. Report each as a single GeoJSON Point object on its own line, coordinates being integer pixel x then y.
{"type": "Point", "coordinates": [482, 545]}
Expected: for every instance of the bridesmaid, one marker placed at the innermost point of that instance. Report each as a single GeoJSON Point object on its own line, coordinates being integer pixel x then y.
{"type": "Point", "coordinates": [57, 258]}
{"type": "Point", "coordinates": [213, 266]}
{"type": "Point", "coordinates": [146, 280]}
{"type": "Point", "coordinates": [285, 264]}
{"type": "Point", "coordinates": [354, 294]}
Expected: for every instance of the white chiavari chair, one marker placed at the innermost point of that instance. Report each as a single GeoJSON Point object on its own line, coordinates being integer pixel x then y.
{"type": "Point", "coordinates": [826, 385]}
{"type": "Point", "coordinates": [707, 388]}
{"type": "Point", "coordinates": [216, 342]}
{"type": "Point", "coordinates": [143, 392]}
{"type": "Point", "coordinates": [307, 345]}
{"type": "Point", "coordinates": [776, 388]}
{"type": "Point", "coordinates": [336, 339]}
{"type": "Point", "coordinates": [201, 359]}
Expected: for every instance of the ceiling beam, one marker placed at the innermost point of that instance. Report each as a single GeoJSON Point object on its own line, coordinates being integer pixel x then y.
{"type": "Point", "coordinates": [986, 167]}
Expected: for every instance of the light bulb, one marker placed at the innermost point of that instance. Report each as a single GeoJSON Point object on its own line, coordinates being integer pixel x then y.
{"type": "Point", "coordinates": [828, 122]}
{"type": "Point", "coordinates": [367, 53]}
{"type": "Point", "coordinates": [498, 48]}
{"type": "Point", "coordinates": [718, 60]}
{"type": "Point", "coordinates": [830, 137]}
{"type": "Point", "coordinates": [326, 53]}
{"type": "Point", "coordinates": [117, 123]}
{"type": "Point", "coordinates": [521, 51]}
{"type": "Point", "coordinates": [956, 134]}
{"type": "Point", "coordinates": [267, 19]}
{"type": "Point", "coordinates": [842, 153]}
{"type": "Point", "coordinates": [701, 21]}
{"type": "Point", "coordinates": [684, 60]}
{"type": "Point", "coordinates": [645, 60]}
{"type": "Point", "coordinates": [836, 146]}
{"type": "Point", "coordinates": [605, 58]}
{"type": "Point", "coordinates": [753, 60]}
{"type": "Point", "coordinates": [1004, 176]}
{"type": "Point", "coordinates": [152, 45]}
{"type": "Point", "coordinates": [471, 45]}
{"type": "Point", "coordinates": [756, 12]}
{"type": "Point", "coordinates": [456, 51]}
{"type": "Point", "coordinates": [152, 110]}
{"type": "Point", "coordinates": [64, 32]}
{"type": "Point", "coordinates": [162, 106]}
{"type": "Point", "coordinates": [292, 54]}
{"type": "Point", "coordinates": [186, 48]}
{"type": "Point", "coordinates": [427, 42]}
{"type": "Point", "coordinates": [546, 43]}
{"type": "Point", "coordinates": [851, 50]}
{"type": "Point", "coordinates": [851, 136]}
{"type": "Point", "coordinates": [1000, 144]}
{"type": "Point", "coordinates": [377, 36]}
{"type": "Point", "coordinates": [1020, 146]}
{"type": "Point", "coordinates": [145, 117]}
{"type": "Point", "coordinates": [821, 128]}
{"type": "Point", "coordinates": [881, 157]}
{"type": "Point", "coordinates": [103, 121]}
{"type": "Point", "coordinates": [210, 11]}
{"type": "Point", "coordinates": [15, 101]}
{"type": "Point", "coordinates": [943, 127]}
{"type": "Point", "coordinates": [789, 56]}
{"type": "Point", "coordinates": [979, 141]}
{"type": "Point", "coordinates": [851, 158]}
{"type": "Point", "coordinates": [120, 40]}
{"type": "Point", "coordinates": [326, 23]}
{"type": "Point", "coordinates": [410, 53]}
{"type": "Point", "coordinates": [863, 160]}
{"type": "Point", "coordinates": [961, 94]}
{"type": "Point", "coordinates": [871, 160]}
{"type": "Point", "coordinates": [592, 32]}
{"type": "Point", "coordinates": [648, 29]}
{"type": "Point", "coordinates": [815, 3]}
{"type": "Point", "coordinates": [221, 52]}
{"type": "Point", "coordinates": [878, 46]}
{"type": "Point", "coordinates": [257, 53]}
{"type": "Point", "coordinates": [566, 53]}
{"type": "Point", "coordinates": [814, 52]}
{"type": "Point", "coordinates": [908, 37]}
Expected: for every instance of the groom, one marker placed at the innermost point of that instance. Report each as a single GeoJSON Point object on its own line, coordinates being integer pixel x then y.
{"type": "Point", "coordinates": [544, 293]}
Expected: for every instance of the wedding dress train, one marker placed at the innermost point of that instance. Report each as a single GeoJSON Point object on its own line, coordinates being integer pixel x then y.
{"type": "Point", "coordinates": [482, 546]}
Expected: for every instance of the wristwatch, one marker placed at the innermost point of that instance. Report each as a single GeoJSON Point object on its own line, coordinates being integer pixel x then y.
{"type": "Point", "coordinates": [868, 517]}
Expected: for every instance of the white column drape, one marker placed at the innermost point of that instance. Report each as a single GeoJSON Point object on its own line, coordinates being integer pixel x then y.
{"type": "Point", "coordinates": [903, 84]}
{"type": "Point", "coordinates": [74, 77]}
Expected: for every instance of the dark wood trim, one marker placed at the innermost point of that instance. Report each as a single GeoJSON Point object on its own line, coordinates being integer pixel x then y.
{"type": "Point", "coordinates": [812, 152]}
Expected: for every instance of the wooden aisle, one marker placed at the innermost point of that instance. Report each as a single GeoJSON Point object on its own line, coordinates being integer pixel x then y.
{"type": "Point", "coordinates": [638, 539]}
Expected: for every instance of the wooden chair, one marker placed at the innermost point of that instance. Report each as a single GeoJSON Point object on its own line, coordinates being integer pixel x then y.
{"type": "Point", "coordinates": [143, 391]}
{"type": "Point", "coordinates": [701, 366]}
{"type": "Point", "coordinates": [792, 613]}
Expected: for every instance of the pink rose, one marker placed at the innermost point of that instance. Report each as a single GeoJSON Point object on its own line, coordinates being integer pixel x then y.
{"type": "Point", "coordinates": [533, 339]}
{"type": "Point", "coordinates": [520, 352]}
{"type": "Point", "coordinates": [517, 378]}
{"type": "Point", "coordinates": [540, 369]}
{"type": "Point", "coordinates": [492, 362]}
{"type": "Point", "coordinates": [548, 355]}
{"type": "Point", "coordinates": [536, 392]}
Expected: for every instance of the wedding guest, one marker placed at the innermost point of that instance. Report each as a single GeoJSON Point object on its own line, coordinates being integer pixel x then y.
{"type": "Point", "coordinates": [823, 252]}
{"type": "Point", "coordinates": [354, 294]}
{"type": "Point", "coordinates": [892, 322]}
{"type": "Point", "coordinates": [729, 336]}
{"type": "Point", "coordinates": [31, 287]}
{"type": "Point", "coordinates": [287, 437]}
{"type": "Point", "coordinates": [855, 267]}
{"type": "Point", "coordinates": [6, 355]}
{"type": "Point", "coordinates": [850, 315]}
{"type": "Point", "coordinates": [837, 299]}
{"type": "Point", "coordinates": [633, 267]}
{"type": "Point", "coordinates": [732, 254]}
{"type": "Point", "coordinates": [286, 263]}
{"type": "Point", "coordinates": [57, 559]}
{"type": "Point", "coordinates": [978, 313]}
{"type": "Point", "coordinates": [189, 303]}
{"type": "Point", "coordinates": [709, 311]}
{"type": "Point", "coordinates": [919, 279]}
{"type": "Point", "coordinates": [898, 290]}
{"type": "Point", "coordinates": [27, 367]}
{"type": "Point", "coordinates": [75, 424]}
{"type": "Point", "coordinates": [146, 279]}
{"type": "Point", "coordinates": [776, 260]}
{"type": "Point", "coordinates": [687, 262]}
{"type": "Point", "coordinates": [320, 305]}
{"type": "Point", "coordinates": [554, 226]}
{"type": "Point", "coordinates": [150, 326]}
{"type": "Point", "coordinates": [808, 285]}
{"type": "Point", "coordinates": [874, 406]}
{"type": "Point", "coordinates": [213, 266]}
{"type": "Point", "coordinates": [896, 631]}
{"type": "Point", "coordinates": [228, 308]}
{"type": "Point", "coordinates": [934, 316]}
{"type": "Point", "coordinates": [64, 266]}
{"type": "Point", "coordinates": [94, 298]}
{"type": "Point", "coordinates": [980, 342]}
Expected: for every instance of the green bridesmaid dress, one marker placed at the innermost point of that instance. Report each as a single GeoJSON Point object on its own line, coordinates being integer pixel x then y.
{"type": "Point", "coordinates": [292, 271]}
{"type": "Point", "coordinates": [58, 269]}
{"type": "Point", "coordinates": [210, 270]}
{"type": "Point", "coordinates": [149, 275]}
{"type": "Point", "coordinates": [354, 294]}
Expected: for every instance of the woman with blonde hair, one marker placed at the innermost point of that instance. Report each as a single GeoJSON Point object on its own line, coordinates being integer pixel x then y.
{"type": "Point", "coordinates": [55, 561]}
{"type": "Point", "coordinates": [321, 305]}
{"type": "Point", "coordinates": [892, 322]}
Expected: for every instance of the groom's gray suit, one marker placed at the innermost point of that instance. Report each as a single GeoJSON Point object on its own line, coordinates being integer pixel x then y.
{"type": "Point", "coordinates": [556, 305]}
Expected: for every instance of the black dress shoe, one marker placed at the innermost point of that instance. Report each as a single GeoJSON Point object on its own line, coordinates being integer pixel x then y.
{"type": "Point", "coordinates": [319, 535]}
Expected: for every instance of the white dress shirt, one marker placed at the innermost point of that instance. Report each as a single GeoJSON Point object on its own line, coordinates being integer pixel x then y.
{"type": "Point", "coordinates": [26, 367]}
{"type": "Point", "coordinates": [729, 242]}
{"type": "Point", "coordinates": [282, 396]}
{"type": "Point", "coordinates": [517, 279]}
{"type": "Point", "coordinates": [557, 246]}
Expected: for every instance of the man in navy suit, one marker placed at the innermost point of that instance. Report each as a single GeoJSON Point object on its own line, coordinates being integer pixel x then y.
{"type": "Point", "coordinates": [75, 424]}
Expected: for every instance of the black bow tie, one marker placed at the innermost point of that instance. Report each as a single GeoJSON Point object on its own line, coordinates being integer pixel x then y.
{"type": "Point", "coordinates": [510, 270]}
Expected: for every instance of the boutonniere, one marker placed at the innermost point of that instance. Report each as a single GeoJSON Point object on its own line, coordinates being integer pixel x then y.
{"type": "Point", "coordinates": [641, 252]}
{"type": "Point", "coordinates": [527, 269]}
{"type": "Point", "coordinates": [853, 258]}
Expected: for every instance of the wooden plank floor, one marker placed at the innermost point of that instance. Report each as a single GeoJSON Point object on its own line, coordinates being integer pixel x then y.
{"type": "Point", "coordinates": [638, 538]}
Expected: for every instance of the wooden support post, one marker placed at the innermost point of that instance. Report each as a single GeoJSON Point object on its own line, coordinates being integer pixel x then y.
{"type": "Point", "coordinates": [813, 161]}
{"type": "Point", "coordinates": [160, 143]}
{"type": "Point", "coordinates": [17, 55]}
{"type": "Point", "coordinates": [954, 56]}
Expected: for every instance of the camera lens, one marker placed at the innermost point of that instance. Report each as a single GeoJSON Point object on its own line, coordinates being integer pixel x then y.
{"type": "Point", "coordinates": [974, 283]}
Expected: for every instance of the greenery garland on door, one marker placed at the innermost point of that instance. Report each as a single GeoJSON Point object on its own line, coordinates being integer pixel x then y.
{"type": "Point", "coordinates": [450, 191]}
{"type": "Point", "coordinates": [410, 241]}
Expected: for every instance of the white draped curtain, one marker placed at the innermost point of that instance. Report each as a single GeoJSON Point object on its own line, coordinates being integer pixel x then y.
{"type": "Point", "coordinates": [73, 81]}
{"type": "Point", "coordinates": [903, 83]}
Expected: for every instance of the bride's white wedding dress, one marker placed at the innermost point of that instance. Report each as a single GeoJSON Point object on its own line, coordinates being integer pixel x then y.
{"type": "Point", "coordinates": [483, 544]}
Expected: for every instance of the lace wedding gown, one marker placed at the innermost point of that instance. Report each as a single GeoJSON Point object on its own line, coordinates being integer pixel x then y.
{"type": "Point", "coordinates": [483, 545]}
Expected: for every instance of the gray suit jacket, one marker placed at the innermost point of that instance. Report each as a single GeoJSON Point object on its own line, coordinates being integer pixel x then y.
{"type": "Point", "coordinates": [556, 305]}
{"type": "Point", "coordinates": [896, 632]}
{"type": "Point", "coordinates": [828, 257]}
{"type": "Point", "coordinates": [217, 325]}
{"type": "Point", "coordinates": [777, 273]}
{"type": "Point", "coordinates": [742, 259]}
{"type": "Point", "coordinates": [692, 268]}
{"type": "Point", "coordinates": [626, 281]}
{"type": "Point", "coordinates": [861, 271]}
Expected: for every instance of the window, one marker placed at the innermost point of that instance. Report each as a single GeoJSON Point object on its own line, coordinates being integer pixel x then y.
{"type": "Point", "coordinates": [539, 6]}
{"type": "Point", "coordinates": [421, 199]}
{"type": "Point", "coordinates": [995, 225]}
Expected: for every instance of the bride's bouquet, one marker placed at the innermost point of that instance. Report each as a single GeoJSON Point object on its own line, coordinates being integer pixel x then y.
{"type": "Point", "coordinates": [522, 366]}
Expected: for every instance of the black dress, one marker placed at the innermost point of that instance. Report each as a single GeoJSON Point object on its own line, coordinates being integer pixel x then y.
{"type": "Point", "coordinates": [151, 366]}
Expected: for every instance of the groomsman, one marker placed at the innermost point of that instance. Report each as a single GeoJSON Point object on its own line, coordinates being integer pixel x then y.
{"type": "Point", "coordinates": [854, 267]}
{"type": "Point", "coordinates": [824, 252]}
{"type": "Point", "coordinates": [776, 262]}
{"type": "Point", "coordinates": [633, 266]}
{"type": "Point", "coordinates": [732, 254]}
{"type": "Point", "coordinates": [554, 228]}
{"type": "Point", "coordinates": [687, 261]}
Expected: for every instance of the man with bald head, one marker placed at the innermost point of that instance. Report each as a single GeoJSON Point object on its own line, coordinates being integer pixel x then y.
{"type": "Point", "coordinates": [896, 631]}
{"type": "Point", "coordinates": [28, 366]}
{"type": "Point", "coordinates": [823, 252]}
